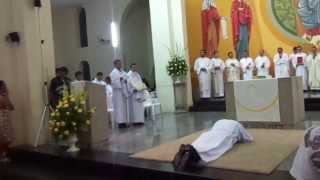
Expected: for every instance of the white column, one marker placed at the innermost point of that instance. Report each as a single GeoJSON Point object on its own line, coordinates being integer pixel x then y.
{"type": "Point", "coordinates": [168, 31]}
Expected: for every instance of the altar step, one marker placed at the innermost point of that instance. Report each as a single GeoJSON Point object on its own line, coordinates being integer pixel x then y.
{"type": "Point", "coordinates": [213, 104]}
{"type": "Point", "coordinates": [219, 105]}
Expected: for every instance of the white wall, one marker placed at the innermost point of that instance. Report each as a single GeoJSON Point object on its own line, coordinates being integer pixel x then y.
{"type": "Point", "coordinates": [22, 66]}
{"type": "Point", "coordinates": [66, 35]}
{"type": "Point", "coordinates": [136, 39]}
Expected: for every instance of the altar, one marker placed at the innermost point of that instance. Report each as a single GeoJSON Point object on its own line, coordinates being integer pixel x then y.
{"type": "Point", "coordinates": [266, 100]}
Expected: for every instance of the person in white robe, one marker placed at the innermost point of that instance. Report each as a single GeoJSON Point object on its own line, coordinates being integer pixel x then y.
{"type": "Point", "coordinates": [263, 65]}
{"type": "Point", "coordinates": [217, 68]}
{"type": "Point", "coordinates": [313, 61]}
{"type": "Point", "coordinates": [232, 68]}
{"type": "Point", "coordinates": [299, 63]}
{"type": "Point", "coordinates": [136, 89]}
{"type": "Point", "coordinates": [202, 68]}
{"type": "Point", "coordinates": [219, 139]}
{"type": "Point", "coordinates": [119, 98]}
{"type": "Point", "coordinates": [306, 165]}
{"type": "Point", "coordinates": [78, 76]}
{"type": "Point", "coordinates": [247, 66]}
{"type": "Point", "coordinates": [109, 92]}
{"type": "Point", "coordinates": [282, 64]}
{"type": "Point", "coordinates": [99, 79]}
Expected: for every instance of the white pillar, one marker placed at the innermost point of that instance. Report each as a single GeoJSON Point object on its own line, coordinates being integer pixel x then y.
{"type": "Point", "coordinates": [168, 31]}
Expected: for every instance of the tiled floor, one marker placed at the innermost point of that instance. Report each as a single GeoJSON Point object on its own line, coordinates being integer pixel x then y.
{"type": "Point", "coordinates": [170, 127]}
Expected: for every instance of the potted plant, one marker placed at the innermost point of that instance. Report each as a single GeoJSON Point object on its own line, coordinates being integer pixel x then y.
{"type": "Point", "coordinates": [69, 117]}
{"type": "Point", "coordinates": [177, 67]}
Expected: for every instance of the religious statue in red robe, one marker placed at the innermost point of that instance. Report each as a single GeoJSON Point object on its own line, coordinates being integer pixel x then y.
{"type": "Point", "coordinates": [241, 16]}
{"type": "Point", "coordinates": [210, 26]}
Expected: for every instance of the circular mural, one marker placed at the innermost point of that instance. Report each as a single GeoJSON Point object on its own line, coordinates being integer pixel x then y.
{"type": "Point", "coordinates": [298, 18]}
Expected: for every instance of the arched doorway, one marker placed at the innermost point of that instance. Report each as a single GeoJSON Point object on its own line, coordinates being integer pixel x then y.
{"type": "Point", "coordinates": [136, 39]}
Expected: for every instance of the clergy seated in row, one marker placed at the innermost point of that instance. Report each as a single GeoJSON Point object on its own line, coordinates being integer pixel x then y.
{"type": "Point", "coordinates": [211, 145]}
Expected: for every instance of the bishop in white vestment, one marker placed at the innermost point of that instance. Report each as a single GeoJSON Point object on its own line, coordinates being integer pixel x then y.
{"type": "Point", "coordinates": [221, 138]}
{"type": "Point", "coordinates": [232, 68]}
{"type": "Point", "coordinates": [217, 68]}
{"type": "Point", "coordinates": [202, 68]}
{"type": "Point", "coordinates": [282, 64]}
{"type": "Point", "coordinates": [300, 65]}
{"type": "Point", "coordinates": [247, 67]}
{"type": "Point", "coordinates": [136, 89]}
{"type": "Point", "coordinates": [263, 65]}
{"type": "Point", "coordinates": [119, 87]}
{"type": "Point", "coordinates": [313, 61]}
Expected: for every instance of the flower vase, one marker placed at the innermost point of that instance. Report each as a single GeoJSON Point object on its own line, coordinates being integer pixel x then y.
{"type": "Point", "coordinates": [72, 141]}
{"type": "Point", "coordinates": [180, 93]}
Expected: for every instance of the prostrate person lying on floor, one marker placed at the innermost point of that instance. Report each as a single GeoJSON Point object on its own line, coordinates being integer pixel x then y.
{"type": "Point", "coordinates": [211, 145]}
{"type": "Point", "coordinates": [306, 164]}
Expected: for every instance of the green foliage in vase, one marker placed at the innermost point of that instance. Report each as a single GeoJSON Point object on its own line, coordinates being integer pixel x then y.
{"type": "Point", "coordinates": [177, 66]}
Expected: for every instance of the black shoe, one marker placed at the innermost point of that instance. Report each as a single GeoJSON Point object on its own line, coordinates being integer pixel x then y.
{"type": "Point", "coordinates": [187, 158]}
{"type": "Point", "coordinates": [138, 124]}
{"type": "Point", "coordinates": [122, 126]}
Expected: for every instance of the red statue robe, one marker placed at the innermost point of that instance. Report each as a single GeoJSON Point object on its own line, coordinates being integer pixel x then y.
{"type": "Point", "coordinates": [241, 14]}
{"type": "Point", "coordinates": [210, 29]}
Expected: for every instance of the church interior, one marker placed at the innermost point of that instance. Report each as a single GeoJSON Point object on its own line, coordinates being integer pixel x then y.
{"type": "Point", "coordinates": [155, 89]}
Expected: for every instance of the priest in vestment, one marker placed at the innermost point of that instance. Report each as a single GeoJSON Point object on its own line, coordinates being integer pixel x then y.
{"type": "Point", "coordinates": [202, 68]}
{"type": "Point", "coordinates": [210, 26]}
{"type": "Point", "coordinates": [136, 89]}
{"type": "Point", "coordinates": [119, 98]}
{"type": "Point", "coordinates": [217, 68]}
{"type": "Point", "coordinates": [306, 165]}
{"type": "Point", "coordinates": [212, 144]}
{"type": "Point", "coordinates": [282, 64]}
{"type": "Point", "coordinates": [241, 16]}
{"type": "Point", "coordinates": [232, 68]}
{"type": "Point", "coordinates": [247, 66]}
{"type": "Point", "coordinates": [263, 65]}
{"type": "Point", "coordinates": [300, 65]}
{"type": "Point", "coordinates": [313, 61]}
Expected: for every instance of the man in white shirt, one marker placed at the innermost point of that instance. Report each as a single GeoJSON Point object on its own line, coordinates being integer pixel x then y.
{"type": "Point", "coordinates": [247, 66]}
{"type": "Point", "coordinates": [78, 76]}
{"type": "Point", "coordinates": [109, 92]}
{"type": "Point", "coordinates": [217, 68]}
{"type": "Point", "coordinates": [313, 61]}
{"type": "Point", "coordinates": [136, 89]}
{"type": "Point", "coordinates": [232, 68]}
{"type": "Point", "coordinates": [300, 65]}
{"type": "Point", "coordinates": [99, 79]}
{"type": "Point", "coordinates": [306, 165]}
{"type": "Point", "coordinates": [202, 68]}
{"type": "Point", "coordinates": [120, 94]}
{"type": "Point", "coordinates": [212, 144]}
{"type": "Point", "coordinates": [263, 65]}
{"type": "Point", "coordinates": [282, 64]}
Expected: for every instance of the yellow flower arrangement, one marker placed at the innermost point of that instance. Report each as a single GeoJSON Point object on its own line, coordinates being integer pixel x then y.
{"type": "Point", "coordinates": [70, 116]}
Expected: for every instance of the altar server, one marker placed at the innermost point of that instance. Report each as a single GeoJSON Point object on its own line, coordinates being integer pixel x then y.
{"type": "Point", "coordinates": [109, 92]}
{"type": "Point", "coordinates": [247, 66]}
{"type": "Point", "coordinates": [232, 68]}
{"type": "Point", "coordinates": [306, 165]}
{"type": "Point", "coordinates": [217, 68]}
{"type": "Point", "coordinates": [202, 68]}
{"type": "Point", "coordinates": [119, 99]}
{"type": "Point", "coordinates": [212, 144]}
{"type": "Point", "coordinates": [136, 89]}
{"type": "Point", "coordinates": [300, 66]}
{"type": "Point", "coordinates": [99, 79]}
{"type": "Point", "coordinates": [282, 64]}
{"type": "Point", "coordinates": [263, 65]}
{"type": "Point", "coordinates": [313, 61]}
